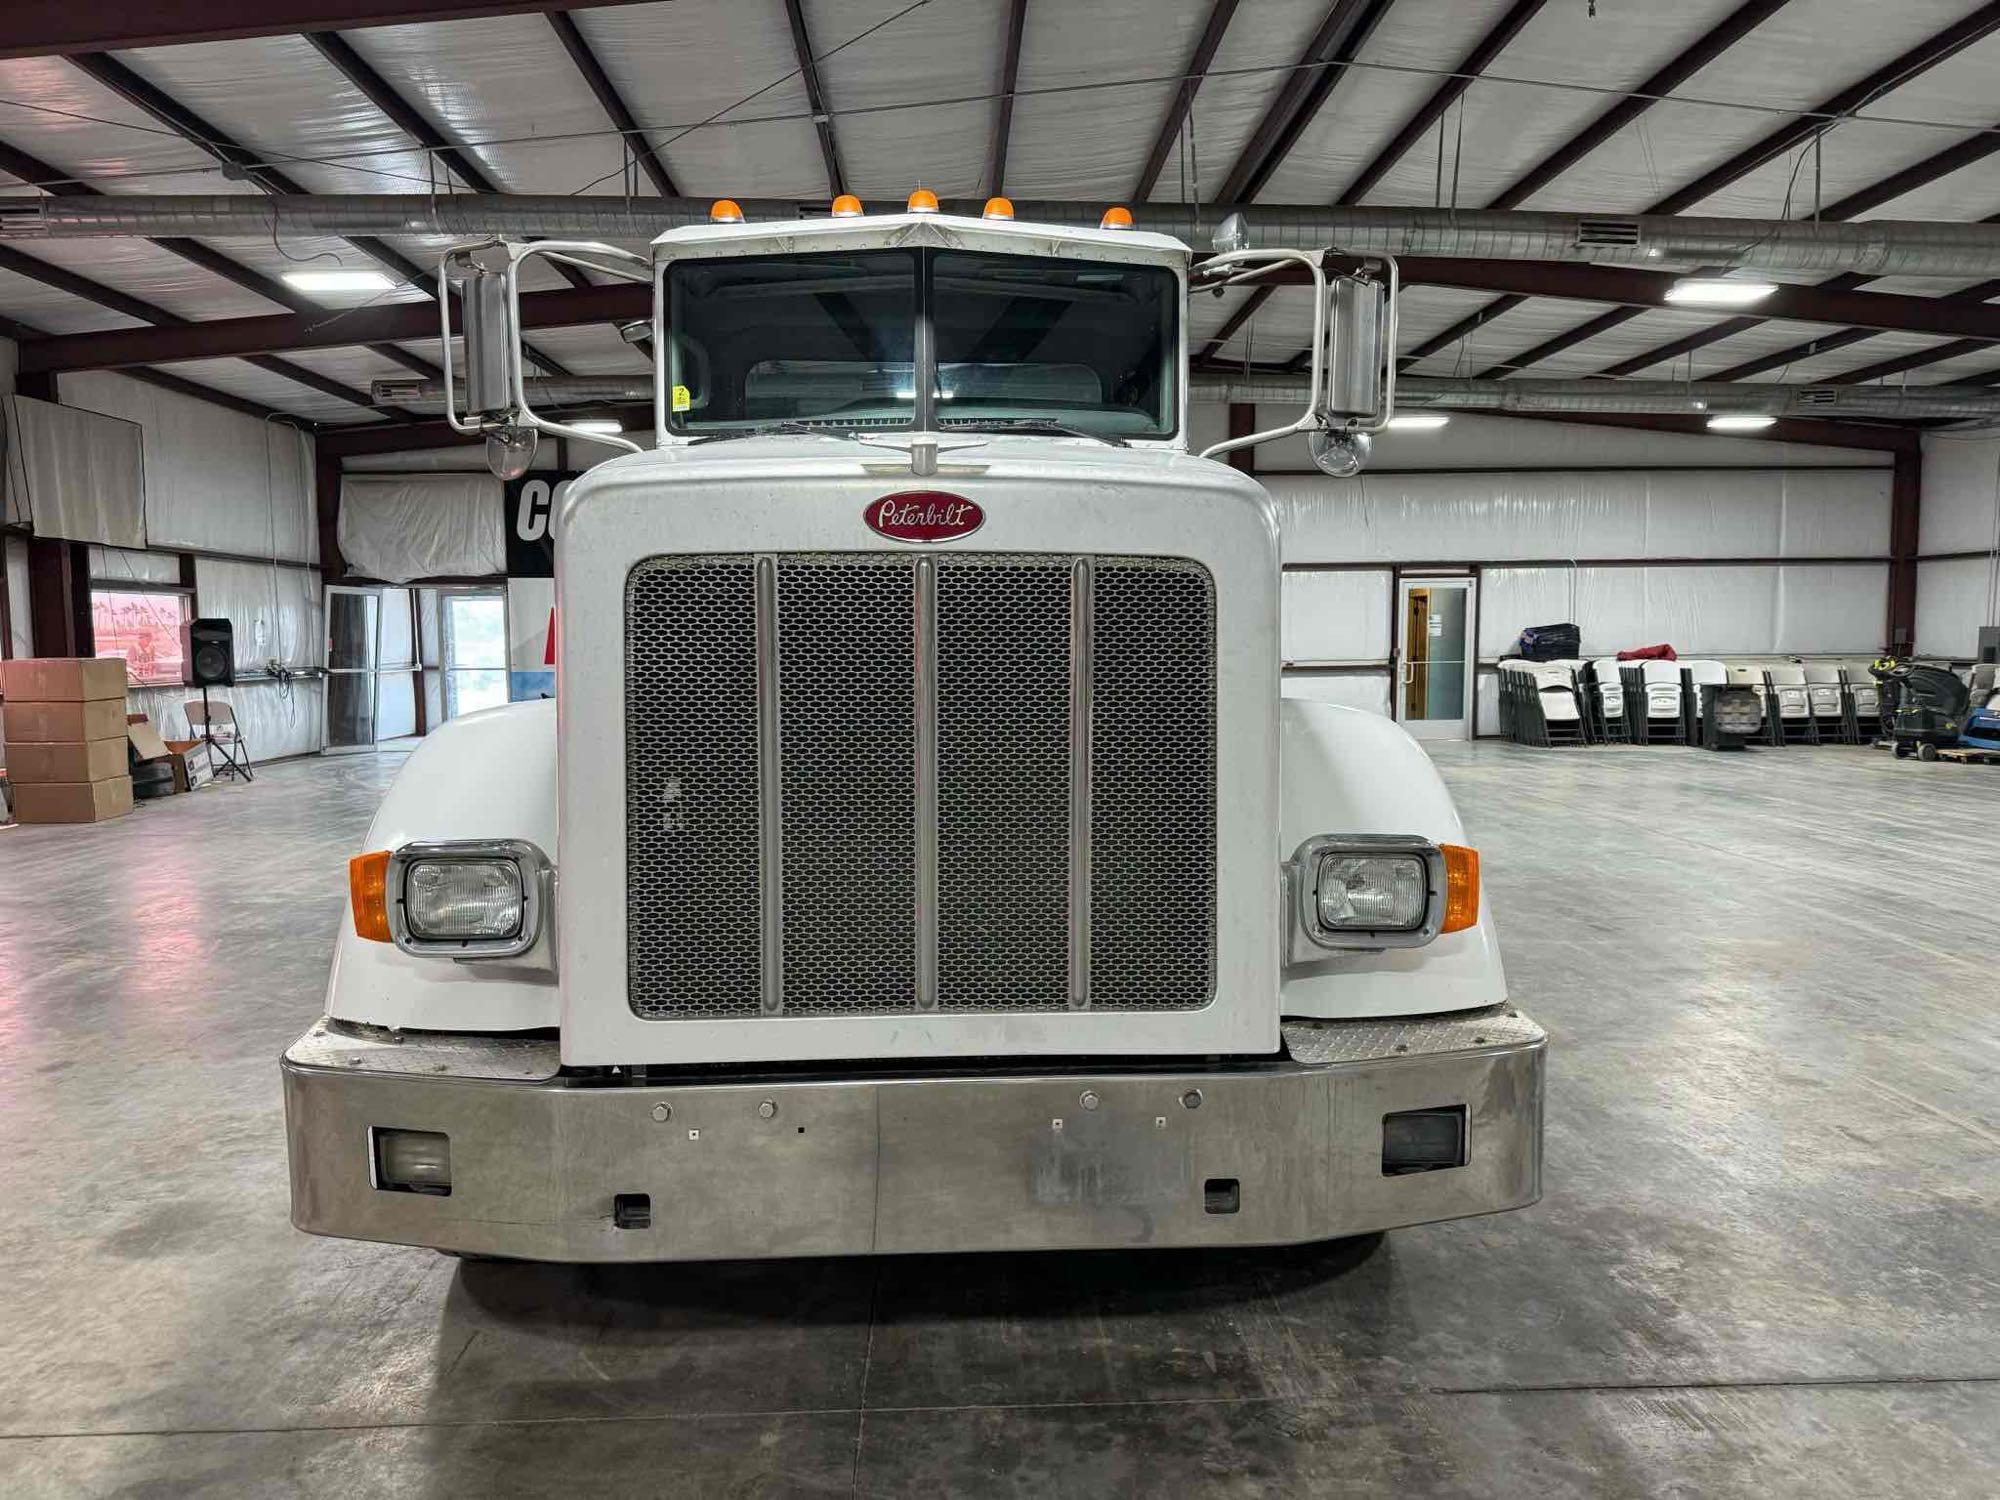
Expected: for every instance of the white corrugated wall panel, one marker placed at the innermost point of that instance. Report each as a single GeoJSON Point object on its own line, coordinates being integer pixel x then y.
{"type": "Point", "coordinates": [1954, 598]}
{"type": "Point", "coordinates": [1961, 498]}
{"type": "Point", "coordinates": [1831, 609]}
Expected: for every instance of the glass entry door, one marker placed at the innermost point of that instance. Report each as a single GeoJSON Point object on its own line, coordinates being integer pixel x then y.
{"type": "Point", "coordinates": [353, 652]}
{"type": "Point", "coordinates": [475, 649]}
{"type": "Point", "coordinates": [1434, 657]}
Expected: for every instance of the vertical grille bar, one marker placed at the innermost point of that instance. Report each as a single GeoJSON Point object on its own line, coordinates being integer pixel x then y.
{"type": "Point", "coordinates": [1082, 634]}
{"type": "Point", "coordinates": [924, 600]}
{"type": "Point", "coordinates": [770, 790]}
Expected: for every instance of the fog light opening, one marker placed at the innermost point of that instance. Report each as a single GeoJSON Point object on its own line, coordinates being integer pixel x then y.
{"type": "Point", "coordinates": [412, 1161]}
{"type": "Point", "coordinates": [1221, 1195]}
{"type": "Point", "coordinates": [632, 1211]}
{"type": "Point", "coordinates": [1423, 1140]}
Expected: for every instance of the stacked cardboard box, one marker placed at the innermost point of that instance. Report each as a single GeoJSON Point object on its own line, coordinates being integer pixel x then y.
{"type": "Point", "coordinates": [65, 752]}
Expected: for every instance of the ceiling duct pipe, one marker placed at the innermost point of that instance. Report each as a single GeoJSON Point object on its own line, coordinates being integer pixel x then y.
{"type": "Point", "coordinates": [1414, 392]}
{"type": "Point", "coordinates": [1876, 247]}
{"type": "Point", "coordinates": [1712, 398]}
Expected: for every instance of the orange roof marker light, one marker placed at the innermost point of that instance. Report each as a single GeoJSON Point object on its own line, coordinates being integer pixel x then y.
{"type": "Point", "coordinates": [847, 206]}
{"type": "Point", "coordinates": [998, 208]}
{"type": "Point", "coordinates": [922, 201]}
{"type": "Point", "coordinates": [725, 211]}
{"type": "Point", "coordinates": [1116, 217]}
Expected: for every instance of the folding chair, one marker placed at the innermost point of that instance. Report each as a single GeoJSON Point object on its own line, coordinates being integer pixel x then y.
{"type": "Point", "coordinates": [1607, 698]}
{"type": "Point", "coordinates": [1864, 699]}
{"type": "Point", "coordinates": [1655, 702]}
{"type": "Point", "coordinates": [214, 724]}
{"type": "Point", "coordinates": [1788, 715]}
{"type": "Point", "coordinates": [1826, 695]}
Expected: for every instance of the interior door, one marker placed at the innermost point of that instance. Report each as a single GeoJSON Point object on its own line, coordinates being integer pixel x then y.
{"type": "Point", "coordinates": [1432, 690]}
{"type": "Point", "coordinates": [353, 656]}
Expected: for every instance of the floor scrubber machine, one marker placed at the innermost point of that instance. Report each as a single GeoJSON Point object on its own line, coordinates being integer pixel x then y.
{"type": "Point", "coordinates": [1927, 709]}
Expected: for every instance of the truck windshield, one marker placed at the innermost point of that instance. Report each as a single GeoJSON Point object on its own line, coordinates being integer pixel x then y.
{"type": "Point", "coordinates": [831, 341]}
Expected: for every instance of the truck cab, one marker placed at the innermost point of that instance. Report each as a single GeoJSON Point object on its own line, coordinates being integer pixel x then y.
{"type": "Point", "coordinates": [920, 853]}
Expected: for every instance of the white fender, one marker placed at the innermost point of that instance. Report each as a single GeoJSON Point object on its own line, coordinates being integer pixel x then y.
{"type": "Point", "coordinates": [489, 775]}
{"type": "Point", "coordinates": [1344, 770]}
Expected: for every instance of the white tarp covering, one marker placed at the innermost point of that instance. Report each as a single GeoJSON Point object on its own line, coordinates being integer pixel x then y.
{"type": "Point", "coordinates": [1336, 616]}
{"type": "Point", "coordinates": [397, 527]}
{"type": "Point", "coordinates": [275, 611]}
{"type": "Point", "coordinates": [1709, 611]}
{"type": "Point", "coordinates": [74, 474]}
{"type": "Point", "coordinates": [110, 564]}
{"type": "Point", "coordinates": [1491, 517]}
{"type": "Point", "coordinates": [216, 480]}
{"type": "Point", "coordinates": [16, 623]}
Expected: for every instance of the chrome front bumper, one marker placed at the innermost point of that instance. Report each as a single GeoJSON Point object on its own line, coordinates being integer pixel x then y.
{"type": "Point", "coordinates": [893, 1165]}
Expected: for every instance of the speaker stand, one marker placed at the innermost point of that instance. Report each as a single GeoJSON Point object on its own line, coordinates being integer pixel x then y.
{"type": "Point", "coordinates": [224, 760]}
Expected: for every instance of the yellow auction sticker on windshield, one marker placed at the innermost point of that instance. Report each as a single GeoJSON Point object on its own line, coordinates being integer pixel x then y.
{"type": "Point", "coordinates": [682, 400]}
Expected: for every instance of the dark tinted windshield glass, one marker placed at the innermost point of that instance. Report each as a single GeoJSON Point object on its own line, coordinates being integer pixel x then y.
{"type": "Point", "coordinates": [828, 339]}
{"type": "Point", "coordinates": [1086, 344]}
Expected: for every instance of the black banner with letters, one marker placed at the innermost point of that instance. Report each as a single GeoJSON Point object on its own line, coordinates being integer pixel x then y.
{"type": "Point", "coordinates": [530, 510]}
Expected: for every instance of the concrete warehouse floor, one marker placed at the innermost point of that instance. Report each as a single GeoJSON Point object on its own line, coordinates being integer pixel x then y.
{"type": "Point", "coordinates": [1768, 1262]}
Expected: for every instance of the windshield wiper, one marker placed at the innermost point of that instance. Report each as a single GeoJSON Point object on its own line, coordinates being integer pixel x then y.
{"type": "Point", "coordinates": [1030, 424]}
{"type": "Point", "coordinates": [765, 429]}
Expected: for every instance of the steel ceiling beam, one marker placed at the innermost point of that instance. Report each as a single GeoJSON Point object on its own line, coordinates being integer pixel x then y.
{"type": "Point", "coordinates": [384, 321]}
{"type": "Point", "coordinates": [1710, 46]}
{"type": "Point", "coordinates": [829, 146]}
{"type": "Point", "coordinates": [51, 180]}
{"type": "Point", "coordinates": [1347, 25]}
{"type": "Point", "coordinates": [123, 303]}
{"type": "Point", "coordinates": [1912, 63]}
{"type": "Point", "coordinates": [239, 161]}
{"type": "Point", "coordinates": [613, 103]}
{"type": "Point", "coordinates": [1220, 13]}
{"type": "Point", "coordinates": [1414, 129]}
{"type": "Point", "coordinates": [66, 28]}
{"type": "Point", "coordinates": [1003, 106]}
{"type": "Point", "coordinates": [616, 303]}
{"type": "Point", "coordinates": [340, 55]}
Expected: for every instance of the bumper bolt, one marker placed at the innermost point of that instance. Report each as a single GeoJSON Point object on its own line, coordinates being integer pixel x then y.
{"type": "Point", "coordinates": [663, 1112]}
{"type": "Point", "coordinates": [768, 1110]}
{"type": "Point", "coordinates": [1191, 1099]}
{"type": "Point", "coordinates": [1088, 1099]}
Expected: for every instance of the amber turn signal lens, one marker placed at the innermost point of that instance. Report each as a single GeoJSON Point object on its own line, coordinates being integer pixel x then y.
{"type": "Point", "coordinates": [725, 211]}
{"type": "Point", "coordinates": [1116, 217]}
{"type": "Point", "coordinates": [998, 208]}
{"type": "Point", "coordinates": [847, 206]}
{"type": "Point", "coordinates": [922, 201]}
{"type": "Point", "coordinates": [1461, 887]}
{"type": "Point", "coordinates": [368, 890]}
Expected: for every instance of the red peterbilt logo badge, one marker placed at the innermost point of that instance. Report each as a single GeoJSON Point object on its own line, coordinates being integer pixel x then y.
{"type": "Point", "coordinates": [923, 516]}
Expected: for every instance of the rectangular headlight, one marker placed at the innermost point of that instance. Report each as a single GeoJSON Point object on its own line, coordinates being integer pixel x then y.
{"type": "Point", "coordinates": [1372, 892]}
{"type": "Point", "coordinates": [469, 898]}
{"type": "Point", "coordinates": [457, 899]}
{"type": "Point", "coordinates": [1367, 890]}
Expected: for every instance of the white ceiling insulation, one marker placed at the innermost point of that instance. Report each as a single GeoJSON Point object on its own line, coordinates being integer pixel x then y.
{"type": "Point", "coordinates": [911, 89]}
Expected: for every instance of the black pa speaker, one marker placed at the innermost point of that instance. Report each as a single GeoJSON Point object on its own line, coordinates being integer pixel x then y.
{"type": "Point", "coordinates": [211, 653]}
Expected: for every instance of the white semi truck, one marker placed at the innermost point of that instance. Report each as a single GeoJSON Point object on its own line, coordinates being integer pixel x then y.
{"type": "Point", "coordinates": [920, 853]}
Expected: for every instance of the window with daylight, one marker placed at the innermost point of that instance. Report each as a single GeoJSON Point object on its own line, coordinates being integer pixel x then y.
{"type": "Point", "coordinates": [145, 627]}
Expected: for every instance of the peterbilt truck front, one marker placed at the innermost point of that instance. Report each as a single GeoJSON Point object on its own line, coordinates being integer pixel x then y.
{"type": "Point", "coordinates": [921, 853]}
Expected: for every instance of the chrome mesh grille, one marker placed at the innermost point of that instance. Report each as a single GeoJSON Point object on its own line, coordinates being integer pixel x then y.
{"type": "Point", "coordinates": [1003, 655]}
{"type": "Point", "coordinates": [1033, 734]}
{"type": "Point", "coordinates": [1152, 822]}
{"type": "Point", "coordinates": [846, 701]}
{"type": "Point", "coordinates": [691, 794]}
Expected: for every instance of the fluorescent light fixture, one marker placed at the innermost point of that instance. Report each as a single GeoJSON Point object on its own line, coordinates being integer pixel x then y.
{"type": "Point", "coordinates": [1739, 422]}
{"type": "Point", "coordinates": [1418, 421]}
{"type": "Point", "coordinates": [338, 281]}
{"type": "Point", "coordinates": [598, 424]}
{"type": "Point", "coordinates": [1717, 291]}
